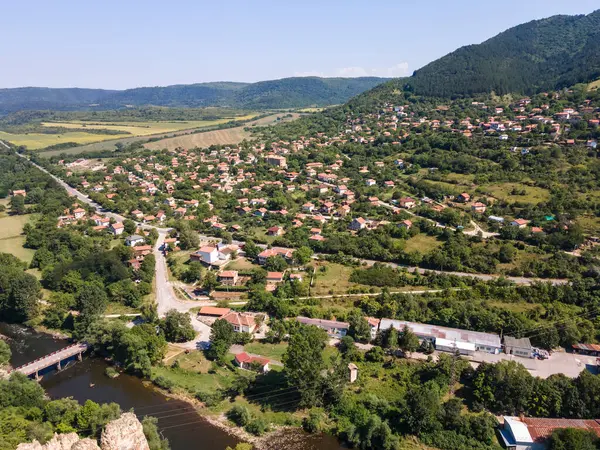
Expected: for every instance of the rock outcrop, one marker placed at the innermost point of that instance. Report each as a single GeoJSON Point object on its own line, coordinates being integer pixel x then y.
{"type": "Point", "coordinates": [125, 433]}
{"type": "Point", "coordinates": [68, 441]}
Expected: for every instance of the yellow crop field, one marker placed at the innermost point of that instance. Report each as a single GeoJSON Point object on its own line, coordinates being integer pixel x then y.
{"type": "Point", "coordinates": [34, 141]}
{"type": "Point", "coordinates": [145, 128]}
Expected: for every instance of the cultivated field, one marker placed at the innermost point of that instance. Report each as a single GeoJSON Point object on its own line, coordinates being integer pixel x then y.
{"type": "Point", "coordinates": [216, 137]}
{"type": "Point", "coordinates": [36, 141]}
{"type": "Point", "coordinates": [11, 238]}
{"type": "Point", "coordinates": [144, 128]}
{"type": "Point", "coordinates": [79, 135]}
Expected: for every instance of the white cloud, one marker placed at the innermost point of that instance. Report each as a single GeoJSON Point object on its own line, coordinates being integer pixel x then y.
{"type": "Point", "coordinates": [398, 70]}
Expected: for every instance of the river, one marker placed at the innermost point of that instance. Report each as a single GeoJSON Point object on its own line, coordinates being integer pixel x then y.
{"type": "Point", "coordinates": [177, 420]}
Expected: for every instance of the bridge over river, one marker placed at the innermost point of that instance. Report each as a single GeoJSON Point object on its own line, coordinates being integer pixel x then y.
{"type": "Point", "coordinates": [54, 359]}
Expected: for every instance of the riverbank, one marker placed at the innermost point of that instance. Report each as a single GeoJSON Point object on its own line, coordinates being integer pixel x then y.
{"type": "Point", "coordinates": [178, 418]}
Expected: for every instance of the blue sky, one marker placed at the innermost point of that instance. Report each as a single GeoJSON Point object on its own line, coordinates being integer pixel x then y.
{"type": "Point", "coordinates": [122, 44]}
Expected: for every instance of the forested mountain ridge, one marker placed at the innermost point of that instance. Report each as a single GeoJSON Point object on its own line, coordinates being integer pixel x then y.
{"type": "Point", "coordinates": [545, 54]}
{"type": "Point", "coordinates": [295, 92]}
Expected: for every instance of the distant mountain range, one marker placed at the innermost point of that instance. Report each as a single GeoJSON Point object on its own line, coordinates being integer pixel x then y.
{"type": "Point", "coordinates": [297, 92]}
{"type": "Point", "coordinates": [545, 54]}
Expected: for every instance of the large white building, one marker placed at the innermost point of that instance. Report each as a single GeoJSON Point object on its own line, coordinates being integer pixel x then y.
{"type": "Point", "coordinates": [449, 339]}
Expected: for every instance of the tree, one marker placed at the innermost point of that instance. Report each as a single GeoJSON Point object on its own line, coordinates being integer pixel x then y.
{"type": "Point", "coordinates": [507, 253]}
{"type": "Point", "coordinates": [210, 281]}
{"type": "Point", "coordinates": [177, 327]}
{"type": "Point", "coordinates": [348, 349]}
{"type": "Point", "coordinates": [24, 293]}
{"type": "Point", "coordinates": [240, 415]}
{"type": "Point", "coordinates": [5, 353]}
{"type": "Point", "coordinates": [359, 329]}
{"type": "Point", "coordinates": [129, 226]}
{"type": "Point", "coordinates": [251, 249]}
{"type": "Point", "coordinates": [423, 404]}
{"type": "Point", "coordinates": [573, 439]}
{"type": "Point", "coordinates": [303, 364]}
{"type": "Point", "coordinates": [221, 338]}
{"type": "Point", "coordinates": [91, 299]}
{"type": "Point", "coordinates": [303, 255]}
{"type": "Point", "coordinates": [188, 239]}
{"type": "Point", "coordinates": [407, 340]}
{"type": "Point", "coordinates": [392, 339]}
{"type": "Point", "coordinates": [276, 263]}
{"type": "Point", "coordinates": [125, 292]}
{"type": "Point", "coordinates": [193, 272]}
{"type": "Point", "coordinates": [17, 205]}
{"type": "Point", "coordinates": [155, 441]}
{"type": "Point", "coordinates": [375, 354]}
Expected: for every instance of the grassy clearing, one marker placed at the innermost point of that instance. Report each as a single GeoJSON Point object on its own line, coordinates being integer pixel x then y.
{"type": "Point", "coordinates": [11, 238]}
{"type": "Point", "coordinates": [502, 191]}
{"type": "Point", "coordinates": [118, 308]}
{"type": "Point", "coordinates": [12, 226]}
{"type": "Point", "coordinates": [242, 264]}
{"type": "Point", "coordinates": [589, 224]}
{"type": "Point", "coordinates": [217, 137]}
{"type": "Point", "coordinates": [422, 243]}
{"type": "Point", "coordinates": [594, 85]}
{"type": "Point", "coordinates": [449, 187]}
{"type": "Point", "coordinates": [14, 246]}
{"type": "Point", "coordinates": [335, 280]}
{"type": "Point", "coordinates": [271, 351]}
{"type": "Point", "coordinates": [192, 374]}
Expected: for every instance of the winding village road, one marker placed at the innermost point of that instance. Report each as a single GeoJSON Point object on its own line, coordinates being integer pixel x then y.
{"type": "Point", "coordinates": [165, 295]}
{"type": "Point", "coordinates": [167, 299]}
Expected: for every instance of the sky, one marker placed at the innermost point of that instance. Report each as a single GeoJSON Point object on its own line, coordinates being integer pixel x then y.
{"type": "Point", "coordinates": [123, 44]}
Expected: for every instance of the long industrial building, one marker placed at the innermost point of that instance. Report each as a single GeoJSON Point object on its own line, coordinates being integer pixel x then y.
{"type": "Point", "coordinates": [449, 339]}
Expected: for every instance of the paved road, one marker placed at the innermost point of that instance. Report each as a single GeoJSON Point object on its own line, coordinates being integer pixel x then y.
{"type": "Point", "coordinates": [166, 298]}
{"type": "Point", "coordinates": [480, 276]}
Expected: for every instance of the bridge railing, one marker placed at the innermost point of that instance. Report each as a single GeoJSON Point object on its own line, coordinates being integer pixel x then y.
{"type": "Point", "coordinates": [79, 344]}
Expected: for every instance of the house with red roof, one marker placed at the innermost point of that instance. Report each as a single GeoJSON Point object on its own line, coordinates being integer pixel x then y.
{"type": "Point", "coordinates": [247, 362]}
{"type": "Point", "coordinates": [241, 322]}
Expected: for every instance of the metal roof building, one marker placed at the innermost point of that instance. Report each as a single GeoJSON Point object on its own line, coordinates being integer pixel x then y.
{"type": "Point", "coordinates": [486, 342]}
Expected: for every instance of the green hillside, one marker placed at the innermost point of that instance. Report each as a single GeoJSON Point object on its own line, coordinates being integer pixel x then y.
{"type": "Point", "coordinates": [540, 55]}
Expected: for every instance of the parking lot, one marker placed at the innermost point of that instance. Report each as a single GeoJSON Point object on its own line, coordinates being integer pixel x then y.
{"type": "Point", "coordinates": [570, 364]}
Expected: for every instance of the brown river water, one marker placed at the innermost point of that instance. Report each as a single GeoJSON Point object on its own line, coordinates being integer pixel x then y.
{"type": "Point", "coordinates": [177, 420]}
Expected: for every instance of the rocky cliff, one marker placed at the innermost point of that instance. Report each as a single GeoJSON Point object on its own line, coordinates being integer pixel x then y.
{"type": "Point", "coordinates": [125, 433]}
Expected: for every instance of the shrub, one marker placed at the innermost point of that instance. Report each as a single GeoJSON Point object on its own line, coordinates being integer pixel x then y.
{"type": "Point", "coordinates": [240, 415]}
{"type": "Point", "coordinates": [375, 354]}
{"type": "Point", "coordinates": [257, 427]}
{"type": "Point", "coordinates": [164, 383]}
{"type": "Point", "coordinates": [208, 398]}
{"type": "Point", "coordinates": [242, 338]}
{"type": "Point", "coordinates": [314, 422]}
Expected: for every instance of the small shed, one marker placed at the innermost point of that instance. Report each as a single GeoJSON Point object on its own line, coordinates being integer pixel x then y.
{"type": "Point", "coordinates": [352, 372]}
{"type": "Point", "coordinates": [519, 347]}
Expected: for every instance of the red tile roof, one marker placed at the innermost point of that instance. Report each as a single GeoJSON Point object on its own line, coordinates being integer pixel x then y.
{"type": "Point", "coordinates": [213, 311]}
{"type": "Point", "coordinates": [246, 358]}
{"type": "Point", "coordinates": [540, 429]}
